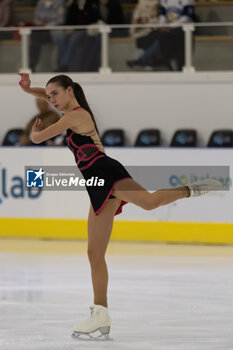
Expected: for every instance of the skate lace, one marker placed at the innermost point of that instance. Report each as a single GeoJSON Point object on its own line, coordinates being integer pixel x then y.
{"type": "Point", "coordinates": [92, 311]}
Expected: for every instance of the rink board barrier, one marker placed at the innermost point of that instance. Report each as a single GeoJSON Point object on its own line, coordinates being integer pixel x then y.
{"type": "Point", "coordinates": [62, 214]}
{"type": "Point", "coordinates": [122, 230]}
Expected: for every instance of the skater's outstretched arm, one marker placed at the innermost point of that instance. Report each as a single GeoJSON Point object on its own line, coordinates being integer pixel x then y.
{"type": "Point", "coordinates": [25, 84]}
{"type": "Point", "coordinates": [39, 134]}
{"type": "Point", "coordinates": [71, 119]}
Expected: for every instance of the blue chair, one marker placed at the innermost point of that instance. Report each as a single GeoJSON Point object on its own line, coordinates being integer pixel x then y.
{"type": "Point", "coordinates": [184, 138]}
{"type": "Point", "coordinates": [113, 138]}
{"type": "Point", "coordinates": [221, 138]}
{"type": "Point", "coordinates": [12, 137]}
{"type": "Point", "coordinates": [148, 138]}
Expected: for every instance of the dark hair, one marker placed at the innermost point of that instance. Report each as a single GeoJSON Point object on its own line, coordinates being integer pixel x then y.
{"type": "Point", "coordinates": [65, 82]}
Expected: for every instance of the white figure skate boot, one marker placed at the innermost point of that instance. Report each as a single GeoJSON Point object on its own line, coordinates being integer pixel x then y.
{"type": "Point", "coordinates": [99, 320]}
{"type": "Point", "coordinates": [201, 187]}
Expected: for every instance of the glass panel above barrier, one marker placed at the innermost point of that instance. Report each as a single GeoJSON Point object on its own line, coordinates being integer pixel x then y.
{"type": "Point", "coordinates": [65, 50]}
{"type": "Point", "coordinates": [146, 49]}
{"type": "Point", "coordinates": [42, 50]}
{"type": "Point", "coordinates": [212, 48]}
{"type": "Point", "coordinates": [10, 51]}
{"type": "Point", "coordinates": [104, 49]}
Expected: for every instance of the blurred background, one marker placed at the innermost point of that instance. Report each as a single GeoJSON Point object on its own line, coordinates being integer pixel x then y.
{"type": "Point", "coordinates": [158, 75]}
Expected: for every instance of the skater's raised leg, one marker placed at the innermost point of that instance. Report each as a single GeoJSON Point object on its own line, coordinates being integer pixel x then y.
{"type": "Point", "coordinates": [130, 191]}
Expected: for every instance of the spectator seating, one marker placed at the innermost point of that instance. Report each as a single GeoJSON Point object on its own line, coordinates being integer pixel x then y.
{"type": "Point", "coordinates": [148, 138]}
{"type": "Point", "coordinates": [113, 138]}
{"type": "Point", "coordinates": [213, 46]}
{"type": "Point", "coordinates": [221, 138]}
{"type": "Point", "coordinates": [184, 138]}
{"type": "Point", "coordinates": [12, 137]}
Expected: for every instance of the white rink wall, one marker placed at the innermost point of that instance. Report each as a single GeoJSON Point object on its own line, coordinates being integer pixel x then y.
{"type": "Point", "coordinates": [136, 105]}
{"type": "Point", "coordinates": [75, 204]}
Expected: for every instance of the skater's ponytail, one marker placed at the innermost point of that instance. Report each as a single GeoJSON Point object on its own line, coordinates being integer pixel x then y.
{"type": "Point", "coordinates": [65, 82]}
{"type": "Point", "coordinates": [81, 98]}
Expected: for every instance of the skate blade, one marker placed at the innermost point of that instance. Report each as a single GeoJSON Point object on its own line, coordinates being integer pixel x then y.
{"type": "Point", "coordinates": [95, 336]}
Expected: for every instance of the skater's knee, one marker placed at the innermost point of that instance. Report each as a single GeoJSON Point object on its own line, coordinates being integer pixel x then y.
{"type": "Point", "coordinates": [95, 256]}
{"type": "Point", "coordinates": [149, 202]}
{"type": "Point", "coordinates": [147, 206]}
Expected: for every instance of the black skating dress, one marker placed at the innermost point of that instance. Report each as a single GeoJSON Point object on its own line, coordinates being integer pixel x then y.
{"type": "Point", "coordinates": [95, 164]}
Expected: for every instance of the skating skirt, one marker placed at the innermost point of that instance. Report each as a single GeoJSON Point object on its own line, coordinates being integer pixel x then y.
{"type": "Point", "coordinates": [111, 172]}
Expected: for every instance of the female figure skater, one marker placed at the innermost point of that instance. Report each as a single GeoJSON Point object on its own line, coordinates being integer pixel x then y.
{"type": "Point", "coordinates": [119, 187]}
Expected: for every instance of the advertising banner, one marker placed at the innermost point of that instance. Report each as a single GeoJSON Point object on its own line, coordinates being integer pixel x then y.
{"type": "Point", "coordinates": [43, 182]}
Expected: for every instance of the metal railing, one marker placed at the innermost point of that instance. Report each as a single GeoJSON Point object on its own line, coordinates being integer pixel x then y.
{"type": "Point", "coordinates": [104, 31]}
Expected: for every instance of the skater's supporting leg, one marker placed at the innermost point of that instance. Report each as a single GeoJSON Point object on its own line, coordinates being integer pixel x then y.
{"type": "Point", "coordinates": [99, 232]}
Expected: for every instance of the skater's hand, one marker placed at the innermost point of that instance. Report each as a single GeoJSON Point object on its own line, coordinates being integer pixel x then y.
{"type": "Point", "coordinates": [25, 81]}
{"type": "Point", "coordinates": [37, 126]}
